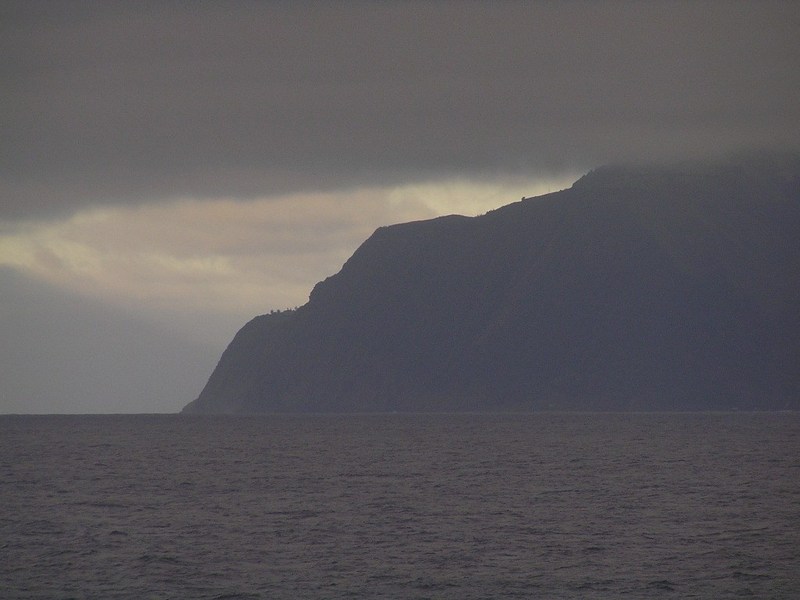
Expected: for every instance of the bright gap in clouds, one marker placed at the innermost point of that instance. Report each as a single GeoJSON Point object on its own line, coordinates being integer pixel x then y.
{"type": "Point", "coordinates": [205, 267]}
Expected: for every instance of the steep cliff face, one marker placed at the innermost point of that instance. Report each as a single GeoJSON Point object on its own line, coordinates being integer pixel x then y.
{"type": "Point", "coordinates": [636, 289]}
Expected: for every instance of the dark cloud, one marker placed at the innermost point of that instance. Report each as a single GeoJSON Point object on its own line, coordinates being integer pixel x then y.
{"type": "Point", "coordinates": [122, 102]}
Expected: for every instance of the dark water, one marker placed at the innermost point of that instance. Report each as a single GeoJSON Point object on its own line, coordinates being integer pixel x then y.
{"type": "Point", "coordinates": [468, 506]}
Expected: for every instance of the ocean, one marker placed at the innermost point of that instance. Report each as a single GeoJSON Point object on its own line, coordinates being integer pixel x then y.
{"type": "Point", "coordinates": [401, 506]}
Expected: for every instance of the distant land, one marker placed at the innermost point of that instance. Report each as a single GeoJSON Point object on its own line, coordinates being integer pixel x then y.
{"type": "Point", "coordinates": [640, 288]}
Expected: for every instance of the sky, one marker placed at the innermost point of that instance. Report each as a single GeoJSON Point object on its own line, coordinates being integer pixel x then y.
{"type": "Point", "coordinates": [168, 170]}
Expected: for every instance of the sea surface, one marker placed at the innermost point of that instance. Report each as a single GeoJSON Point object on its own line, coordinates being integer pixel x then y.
{"type": "Point", "coordinates": [401, 506]}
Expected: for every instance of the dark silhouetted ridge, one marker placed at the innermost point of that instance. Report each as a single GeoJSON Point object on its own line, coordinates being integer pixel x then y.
{"type": "Point", "coordinates": [639, 288]}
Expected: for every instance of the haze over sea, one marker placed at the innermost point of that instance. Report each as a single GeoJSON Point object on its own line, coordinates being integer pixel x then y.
{"type": "Point", "coordinates": [548, 505]}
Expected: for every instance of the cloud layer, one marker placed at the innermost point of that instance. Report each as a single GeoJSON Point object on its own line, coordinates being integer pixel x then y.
{"type": "Point", "coordinates": [115, 102]}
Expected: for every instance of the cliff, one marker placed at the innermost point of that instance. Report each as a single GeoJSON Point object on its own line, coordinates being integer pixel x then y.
{"type": "Point", "coordinates": [639, 288]}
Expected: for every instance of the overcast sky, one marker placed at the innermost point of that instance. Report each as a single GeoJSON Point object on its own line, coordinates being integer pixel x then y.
{"type": "Point", "coordinates": [170, 169]}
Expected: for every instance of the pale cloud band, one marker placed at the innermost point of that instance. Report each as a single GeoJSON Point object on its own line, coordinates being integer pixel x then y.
{"type": "Point", "coordinates": [230, 259]}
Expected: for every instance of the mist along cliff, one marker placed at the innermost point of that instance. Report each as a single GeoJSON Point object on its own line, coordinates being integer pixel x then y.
{"type": "Point", "coordinates": [636, 289]}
